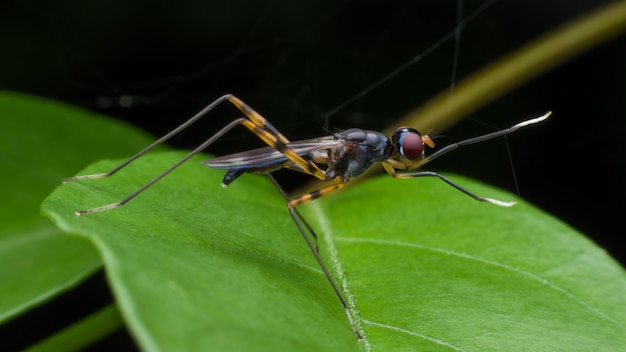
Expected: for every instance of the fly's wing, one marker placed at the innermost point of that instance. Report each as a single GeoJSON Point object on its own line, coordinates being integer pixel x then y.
{"type": "Point", "coordinates": [266, 156]}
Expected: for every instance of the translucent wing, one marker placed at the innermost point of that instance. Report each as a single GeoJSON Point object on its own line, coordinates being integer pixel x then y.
{"type": "Point", "coordinates": [266, 156]}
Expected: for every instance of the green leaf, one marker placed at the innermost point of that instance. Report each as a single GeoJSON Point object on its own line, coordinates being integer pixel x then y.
{"type": "Point", "coordinates": [194, 266]}
{"type": "Point", "coordinates": [42, 142]}
{"type": "Point", "coordinates": [431, 269]}
{"type": "Point", "coordinates": [198, 267]}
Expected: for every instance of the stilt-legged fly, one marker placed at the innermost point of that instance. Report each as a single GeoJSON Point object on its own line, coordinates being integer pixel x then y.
{"type": "Point", "coordinates": [335, 158]}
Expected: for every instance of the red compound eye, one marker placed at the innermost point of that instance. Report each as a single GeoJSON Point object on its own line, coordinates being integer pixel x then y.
{"type": "Point", "coordinates": [411, 145]}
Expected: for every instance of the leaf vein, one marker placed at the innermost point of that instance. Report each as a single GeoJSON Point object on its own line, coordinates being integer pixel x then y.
{"type": "Point", "coordinates": [488, 262]}
{"type": "Point", "coordinates": [413, 333]}
{"type": "Point", "coordinates": [329, 238]}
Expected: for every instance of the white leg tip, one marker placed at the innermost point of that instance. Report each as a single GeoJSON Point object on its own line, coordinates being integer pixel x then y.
{"type": "Point", "coordinates": [500, 203]}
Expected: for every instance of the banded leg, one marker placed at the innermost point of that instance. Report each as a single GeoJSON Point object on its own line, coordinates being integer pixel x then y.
{"type": "Point", "coordinates": [305, 198]}
{"type": "Point", "coordinates": [254, 122]}
{"type": "Point", "coordinates": [301, 223]}
{"type": "Point", "coordinates": [286, 197]}
{"type": "Point", "coordinates": [254, 116]}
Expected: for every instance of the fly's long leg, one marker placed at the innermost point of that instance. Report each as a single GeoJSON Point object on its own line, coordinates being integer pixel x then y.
{"type": "Point", "coordinates": [254, 122]}
{"type": "Point", "coordinates": [482, 138]}
{"type": "Point", "coordinates": [159, 141]}
{"type": "Point", "coordinates": [391, 165]}
{"type": "Point", "coordinates": [451, 183]}
{"type": "Point", "coordinates": [330, 279]}
{"type": "Point", "coordinates": [286, 197]}
{"type": "Point", "coordinates": [305, 198]}
{"type": "Point", "coordinates": [161, 175]}
{"type": "Point", "coordinates": [303, 226]}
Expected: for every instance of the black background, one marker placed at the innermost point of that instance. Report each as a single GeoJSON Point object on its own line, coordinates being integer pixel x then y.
{"type": "Point", "coordinates": [155, 64]}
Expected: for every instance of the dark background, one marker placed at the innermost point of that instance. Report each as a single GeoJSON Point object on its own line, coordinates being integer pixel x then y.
{"type": "Point", "coordinates": [155, 64]}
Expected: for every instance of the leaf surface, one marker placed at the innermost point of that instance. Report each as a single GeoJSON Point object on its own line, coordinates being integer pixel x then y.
{"type": "Point", "coordinates": [42, 142]}
{"type": "Point", "coordinates": [433, 270]}
{"type": "Point", "coordinates": [198, 267]}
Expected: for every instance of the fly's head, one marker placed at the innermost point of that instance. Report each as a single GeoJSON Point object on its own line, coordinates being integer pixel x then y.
{"type": "Point", "coordinates": [409, 143]}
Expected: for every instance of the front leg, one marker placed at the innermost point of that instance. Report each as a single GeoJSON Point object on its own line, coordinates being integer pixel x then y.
{"type": "Point", "coordinates": [392, 171]}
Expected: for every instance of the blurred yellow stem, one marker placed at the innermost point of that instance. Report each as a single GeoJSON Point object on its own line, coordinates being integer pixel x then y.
{"type": "Point", "coordinates": [518, 67]}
